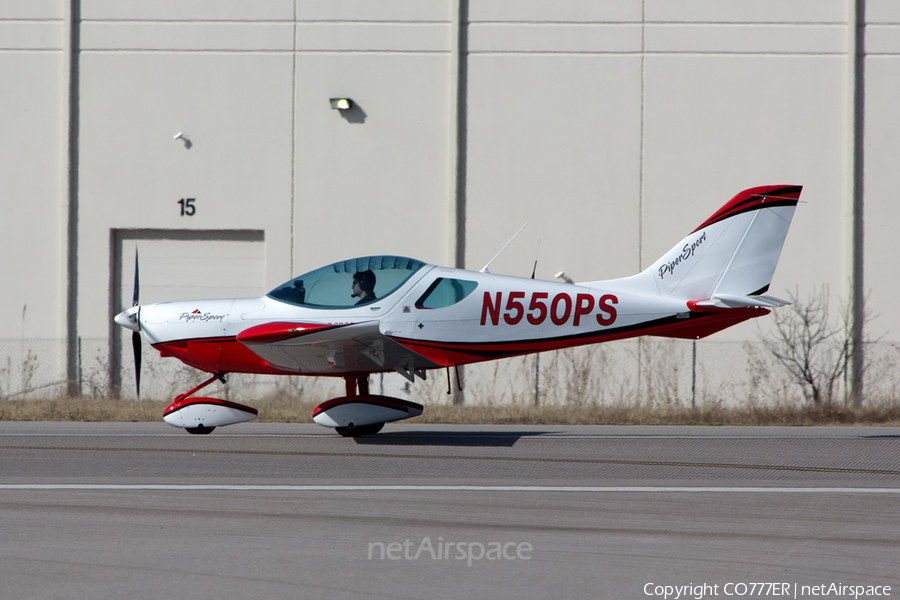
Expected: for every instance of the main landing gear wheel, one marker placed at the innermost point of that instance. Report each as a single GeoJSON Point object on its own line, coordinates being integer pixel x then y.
{"type": "Point", "coordinates": [361, 430]}
{"type": "Point", "coordinates": [199, 430]}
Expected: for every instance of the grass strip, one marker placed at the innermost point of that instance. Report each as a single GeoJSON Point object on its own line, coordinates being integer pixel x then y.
{"type": "Point", "coordinates": [288, 410]}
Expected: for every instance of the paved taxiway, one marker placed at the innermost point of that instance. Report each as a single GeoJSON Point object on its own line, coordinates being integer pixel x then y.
{"type": "Point", "coordinates": [109, 510]}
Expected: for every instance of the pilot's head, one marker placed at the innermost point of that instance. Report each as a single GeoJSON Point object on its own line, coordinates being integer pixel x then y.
{"type": "Point", "coordinates": [363, 284]}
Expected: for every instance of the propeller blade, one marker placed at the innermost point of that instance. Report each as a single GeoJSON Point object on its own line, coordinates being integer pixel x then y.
{"type": "Point", "coordinates": [137, 285]}
{"type": "Point", "coordinates": [136, 337]}
{"type": "Point", "coordinates": [136, 346]}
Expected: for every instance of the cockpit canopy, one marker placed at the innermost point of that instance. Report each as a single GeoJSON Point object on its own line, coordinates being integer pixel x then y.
{"type": "Point", "coordinates": [331, 287]}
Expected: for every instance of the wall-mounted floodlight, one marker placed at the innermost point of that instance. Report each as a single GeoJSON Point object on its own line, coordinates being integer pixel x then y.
{"type": "Point", "coordinates": [341, 103]}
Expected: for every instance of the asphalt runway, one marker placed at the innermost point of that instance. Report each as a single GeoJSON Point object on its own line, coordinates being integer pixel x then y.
{"type": "Point", "coordinates": [142, 510]}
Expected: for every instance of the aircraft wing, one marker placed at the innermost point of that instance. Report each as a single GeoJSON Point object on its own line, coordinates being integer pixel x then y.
{"type": "Point", "coordinates": [322, 349]}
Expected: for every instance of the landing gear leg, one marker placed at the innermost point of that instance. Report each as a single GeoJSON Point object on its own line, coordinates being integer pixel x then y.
{"type": "Point", "coordinates": [215, 377]}
{"type": "Point", "coordinates": [200, 429]}
{"type": "Point", "coordinates": [352, 383]}
{"type": "Point", "coordinates": [358, 385]}
{"type": "Point", "coordinates": [203, 415]}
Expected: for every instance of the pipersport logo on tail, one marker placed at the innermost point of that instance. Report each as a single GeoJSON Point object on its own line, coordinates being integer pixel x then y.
{"type": "Point", "coordinates": [687, 252]}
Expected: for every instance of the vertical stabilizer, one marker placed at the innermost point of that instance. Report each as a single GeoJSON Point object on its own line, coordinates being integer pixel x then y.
{"type": "Point", "coordinates": [734, 252]}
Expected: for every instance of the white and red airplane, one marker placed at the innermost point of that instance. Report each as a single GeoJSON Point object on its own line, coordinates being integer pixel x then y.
{"type": "Point", "coordinates": [390, 313]}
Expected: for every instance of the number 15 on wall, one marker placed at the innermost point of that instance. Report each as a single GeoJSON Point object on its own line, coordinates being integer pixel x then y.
{"type": "Point", "coordinates": [187, 207]}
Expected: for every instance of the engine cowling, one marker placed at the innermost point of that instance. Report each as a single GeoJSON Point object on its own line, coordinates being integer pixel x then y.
{"type": "Point", "coordinates": [206, 413]}
{"type": "Point", "coordinates": [359, 411]}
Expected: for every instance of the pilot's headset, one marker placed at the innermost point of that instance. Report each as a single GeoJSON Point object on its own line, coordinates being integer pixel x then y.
{"type": "Point", "coordinates": [366, 281]}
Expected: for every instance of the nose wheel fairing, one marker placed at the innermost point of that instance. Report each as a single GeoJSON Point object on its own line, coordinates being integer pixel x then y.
{"type": "Point", "coordinates": [207, 413]}
{"type": "Point", "coordinates": [202, 415]}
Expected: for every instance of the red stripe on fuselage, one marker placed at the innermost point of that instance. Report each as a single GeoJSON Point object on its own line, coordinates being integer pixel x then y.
{"type": "Point", "coordinates": [227, 355]}
{"type": "Point", "coordinates": [697, 326]}
{"type": "Point", "coordinates": [218, 355]}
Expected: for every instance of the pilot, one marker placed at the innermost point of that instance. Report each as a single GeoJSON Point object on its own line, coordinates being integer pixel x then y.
{"type": "Point", "coordinates": [364, 287]}
{"type": "Point", "coordinates": [299, 291]}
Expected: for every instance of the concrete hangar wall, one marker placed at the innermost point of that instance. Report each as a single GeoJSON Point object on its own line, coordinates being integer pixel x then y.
{"type": "Point", "coordinates": [611, 126]}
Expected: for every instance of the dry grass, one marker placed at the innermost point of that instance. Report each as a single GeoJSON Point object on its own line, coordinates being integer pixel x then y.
{"type": "Point", "coordinates": [285, 410]}
{"type": "Point", "coordinates": [81, 409]}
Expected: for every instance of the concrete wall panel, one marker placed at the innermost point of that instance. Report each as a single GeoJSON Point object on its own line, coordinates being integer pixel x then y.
{"type": "Point", "coordinates": [34, 35]}
{"type": "Point", "coordinates": [235, 110]}
{"type": "Point", "coordinates": [746, 11]}
{"type": "Point", "coordinates": [110, 35]}
{"type": "Point", "coordinates": [565, 11]}
{"type": "Point", "coordinates": [32, 172]}
{"type": "Point", "coordinates": [882, 11]}
{"type": "Point", "coordinates": [368, 11]}
{"type": "Point", "coordinates": [717, 125]}
{"type": "Point", "coordinates": [882, 39]}
{"type": "Point", "coordinates": [372, 180]}
{"type": "Point", "coordinates": [882, 180]}
{"type": "Point", "coordinates": [569, 37]}
{"type": "Point", "coordinates": [559, 152]}
{"type": "Point", "coordinates": [747, 39]}
{"type": "Point", "coordinates": [188, 10]}
{"type": "Point", "coordinates": [32, 9]}
{"type": "Point", "coordinates": [374, 37]}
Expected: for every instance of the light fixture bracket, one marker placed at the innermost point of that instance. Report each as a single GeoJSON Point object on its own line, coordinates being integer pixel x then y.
{"type": "Point", "coordinates": [341, 103]}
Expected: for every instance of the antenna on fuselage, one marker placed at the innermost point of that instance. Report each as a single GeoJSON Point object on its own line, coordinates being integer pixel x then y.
{"type": "Point", "coordinates": [485, 268]}
{"type": "Point", "coordinates": [536, 256]}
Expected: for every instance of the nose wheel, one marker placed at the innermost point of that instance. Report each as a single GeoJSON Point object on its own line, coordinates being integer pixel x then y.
{"type": "Point", "coordinates": [199, 430]}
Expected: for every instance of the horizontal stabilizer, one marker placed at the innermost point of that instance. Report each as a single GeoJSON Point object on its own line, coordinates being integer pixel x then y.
{"type": "Point", "coordinates": [726, 301]}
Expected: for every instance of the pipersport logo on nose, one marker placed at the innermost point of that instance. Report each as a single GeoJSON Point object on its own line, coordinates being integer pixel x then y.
{"type": "Point", "coordinates": [196, 315]}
